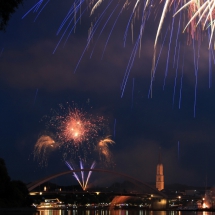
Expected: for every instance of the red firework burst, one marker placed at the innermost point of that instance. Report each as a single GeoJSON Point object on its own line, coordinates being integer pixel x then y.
{"type": "Point", "coordinates": [77, 128]}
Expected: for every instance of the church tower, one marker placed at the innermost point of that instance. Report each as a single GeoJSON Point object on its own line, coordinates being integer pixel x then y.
{"type": "Point", "coordinates": [159, 174]}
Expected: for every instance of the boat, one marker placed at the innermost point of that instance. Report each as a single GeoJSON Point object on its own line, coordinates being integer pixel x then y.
{"type": "Point", "coordinates": [51, 204]}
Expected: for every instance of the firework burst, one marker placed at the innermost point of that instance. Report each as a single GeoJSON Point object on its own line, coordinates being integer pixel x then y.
{"type": "Point", "coordinates": [77, 134]}
{"type": "Point", "coordinates": [200, 12]}
{"type": "Point", "coordinates": [76, 127]}
{"type": "Point", "coordinates": [77, 131]}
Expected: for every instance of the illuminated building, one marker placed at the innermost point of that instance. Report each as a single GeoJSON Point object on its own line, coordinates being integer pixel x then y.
{"type": "Point", "coordinates": [159, 174]}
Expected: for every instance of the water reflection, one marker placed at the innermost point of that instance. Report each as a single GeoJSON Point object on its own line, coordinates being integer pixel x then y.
{"type": "Point", "coordinates": [120, 212]}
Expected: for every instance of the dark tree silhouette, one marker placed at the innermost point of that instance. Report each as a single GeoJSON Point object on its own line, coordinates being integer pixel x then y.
{"type": "Point", "coordinates": [12, 193]}
{"type": "Point", "coordinates": [4, 177]}
{"type": "Point", "coordinates": [7, 7]}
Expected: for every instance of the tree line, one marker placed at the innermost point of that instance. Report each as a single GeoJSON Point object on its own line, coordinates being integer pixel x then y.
{"type": "Point", "coordinates": [13, 193]}
{"type": "Point", "coordinates": [7, 8]}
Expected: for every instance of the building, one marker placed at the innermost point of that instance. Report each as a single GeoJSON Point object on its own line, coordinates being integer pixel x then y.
{"type": "Point", "coordinates": [159, 174]}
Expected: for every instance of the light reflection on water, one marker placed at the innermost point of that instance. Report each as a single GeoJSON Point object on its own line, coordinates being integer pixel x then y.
{"type": "Point", "coordinates": [120, 212]}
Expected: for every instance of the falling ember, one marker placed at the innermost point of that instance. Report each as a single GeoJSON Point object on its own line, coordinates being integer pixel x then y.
{"type": "Point", "coordinates": [41, 148]}
{"type": "Point", "coordinates": [103, 148]}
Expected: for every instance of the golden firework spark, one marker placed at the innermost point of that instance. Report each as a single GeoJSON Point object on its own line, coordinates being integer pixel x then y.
{"type": "Point", "coordinates": [103, 148]}
{"type": "Point", "coordinates": [41, 148]}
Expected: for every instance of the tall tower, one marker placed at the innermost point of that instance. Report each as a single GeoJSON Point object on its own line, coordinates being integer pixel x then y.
{"type": "Point", "coordinates": [159, 175]}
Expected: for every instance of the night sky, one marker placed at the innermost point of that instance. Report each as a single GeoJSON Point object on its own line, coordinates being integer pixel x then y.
{"type": "Point", "coordinates": [33, 81]}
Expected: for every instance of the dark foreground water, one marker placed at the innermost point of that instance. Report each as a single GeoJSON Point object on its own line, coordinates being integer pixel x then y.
{"type": "Point", "coordinates": [105, 212]}
{"type": "Point", "coordinates": [120, 212]}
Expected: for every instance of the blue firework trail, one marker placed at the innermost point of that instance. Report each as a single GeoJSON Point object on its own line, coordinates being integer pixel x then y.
{"type": "Point", "coordinates": [71, 14]}
{"type": "Point", "coordinates": [178, 150]}
{"type": "Point", "coordinates": [82, 181]}
{"type": "Point", "coordinates": [111, 32]}
{"type": "Point", "coordinates": [154, 68]}
{"type": "Point", "coordinates": [181, 82]}
{"type": "Point", "coordinates": [176, 39]}
{"type": "Point", "coordinates": [196, 61]}
{"type": "Point", "coordinates": [129, 67]}
{"type": "Point", "coordinates": [102, 30]}
{"type": "Point", "coordinates": [132, 98]}
{"type": "Point", "coordinates": [146, 10]}
{"type": "Point", "coordinates": [167, 62]}
{"type": "Point", "coordinates": [91, 34]}
{"type": "Point", "coordinates": [37, 8]}
{"type": "Point", "coordinates": [35, 97]}
{"type": "Point", "coordinates": [176, 76]}
{"type": "Point", "coordinates": [211, 59]}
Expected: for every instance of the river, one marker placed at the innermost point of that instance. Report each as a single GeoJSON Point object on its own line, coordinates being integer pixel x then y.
{"type": "Point", "coordinates": [120, 212]}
